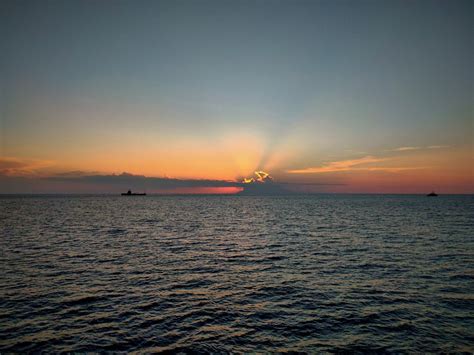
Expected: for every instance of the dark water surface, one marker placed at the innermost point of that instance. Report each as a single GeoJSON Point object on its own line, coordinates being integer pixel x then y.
{"type": "Point", "coordinates": [237, 274]}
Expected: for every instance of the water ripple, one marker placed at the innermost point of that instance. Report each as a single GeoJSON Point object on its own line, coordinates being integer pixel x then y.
{"type": "Point", "coordinates": [222, 274]}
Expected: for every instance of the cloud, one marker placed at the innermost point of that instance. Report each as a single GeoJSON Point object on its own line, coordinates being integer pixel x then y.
{"type": "Point", "coordinates": [75, 173]}
{"type": "Point", "coordinates": [341, 165]}
{"type": "Point", "coordinates": [22, 167]}
{"type": "Point", "coordinates": [81, 182]}
{"type": "Point", "coordinates": [437, 146]}
{"type": "Point", "coordinates": [77, 182]}
{"type": "Point", "coordinates": [394, 169]}
{"type": "Point", "coordinates": [127, 180]}
{"type": "Point", "coordinates": [361, 164]}
{"type": "Point", "coordinates": [404, 149]}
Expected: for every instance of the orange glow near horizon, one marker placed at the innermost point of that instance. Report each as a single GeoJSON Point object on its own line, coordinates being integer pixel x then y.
{"type": "Point", "coordinates": [223, 158]}
{"type": "Point", "coordinates": [448, 169]}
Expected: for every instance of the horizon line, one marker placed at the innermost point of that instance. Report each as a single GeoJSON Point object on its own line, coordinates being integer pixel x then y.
{"type": "Point", "coordinates": [230, 194]}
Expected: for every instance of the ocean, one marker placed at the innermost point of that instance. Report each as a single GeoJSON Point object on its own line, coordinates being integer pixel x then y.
{"type": "Point", "coordinates": [220, 274]}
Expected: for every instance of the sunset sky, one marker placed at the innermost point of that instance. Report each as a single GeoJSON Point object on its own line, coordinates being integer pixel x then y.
{"type": "Point", "coordinates": [350, 96]}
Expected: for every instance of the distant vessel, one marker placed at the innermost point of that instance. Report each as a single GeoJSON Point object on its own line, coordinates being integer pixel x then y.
{"type": "Point", "coordinates": [432, 194]}
{"type": "Point", "coordinates": [130, 193]}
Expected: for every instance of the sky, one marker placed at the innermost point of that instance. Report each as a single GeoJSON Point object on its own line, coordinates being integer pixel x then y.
{"type": "Point", "coordinates": [325, 95]}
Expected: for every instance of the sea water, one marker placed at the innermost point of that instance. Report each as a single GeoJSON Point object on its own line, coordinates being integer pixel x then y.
{"type": "Point", "coordinates": [357, 273]}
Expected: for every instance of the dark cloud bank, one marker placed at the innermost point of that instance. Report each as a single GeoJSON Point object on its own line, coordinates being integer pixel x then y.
{"type": "Point", "coordinates": [79, 182]}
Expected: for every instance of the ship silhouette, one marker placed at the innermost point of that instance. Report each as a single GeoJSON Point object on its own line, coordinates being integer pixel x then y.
{"type": "Point", "coordinates": [432, 194]}
{"type": "Point", "coordinates": [130, 193]}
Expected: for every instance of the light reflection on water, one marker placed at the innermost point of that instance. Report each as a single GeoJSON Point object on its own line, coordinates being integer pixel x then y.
{"type": "Point", "coordinates": [226, 273]}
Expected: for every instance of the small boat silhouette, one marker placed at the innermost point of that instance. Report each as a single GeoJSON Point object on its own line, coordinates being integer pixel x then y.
{"type": "Point", "coordinates": [130, 193]}
{"type": "Point", "coordinates": [432, 194]}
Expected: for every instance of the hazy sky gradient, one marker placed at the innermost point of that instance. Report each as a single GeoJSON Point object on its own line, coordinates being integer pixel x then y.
{"type": "Point", "coordinates": [217, 89]}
